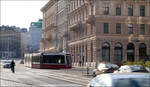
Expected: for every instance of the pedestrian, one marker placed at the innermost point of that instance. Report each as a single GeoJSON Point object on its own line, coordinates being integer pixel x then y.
{"type": "Point", "coordinates": [80, 63]}
{"type": "Point", "coordinates": [12, 66]}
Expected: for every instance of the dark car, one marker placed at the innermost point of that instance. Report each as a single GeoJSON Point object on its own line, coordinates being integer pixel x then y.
{"type": "Point", "coordinates": [7, 64]}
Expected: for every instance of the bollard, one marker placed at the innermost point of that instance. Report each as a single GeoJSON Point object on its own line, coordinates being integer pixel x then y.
{"type": "Point", "coordinates": [87, 70]}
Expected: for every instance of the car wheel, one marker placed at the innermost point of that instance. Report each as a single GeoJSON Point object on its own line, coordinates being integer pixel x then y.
{"type": "Point", "coordinates": [94, 75]}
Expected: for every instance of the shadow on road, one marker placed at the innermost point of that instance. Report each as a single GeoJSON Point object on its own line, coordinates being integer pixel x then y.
{"type": "Point", "coordinates": [15, 81]}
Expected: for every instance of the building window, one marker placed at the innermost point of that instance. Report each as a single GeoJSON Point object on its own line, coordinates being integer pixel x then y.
{"type": "Point", "coordinates": [86, 53]}
{"type": "Point", "coordinates": [118, 53]}
{"type": "Point", "coordinates": [142, 51]}
{"type": "Point", "coordinates": [118, 28]}
{"type": "Point", "coordinates": [118, 10]}
{"type": "Point", "coordinates": [86, 30]}
{"type": "Point", "coordinates": [130, 52]}
{"type": "Point", "coordinates": [91, 52]}
{"type": "Point", "coordinates": [106, 28]}
{"type": "Point", "coordinates": [130, 10]}
{"type": "Point", "coordinates": [142, 28]}
{"type": "Point", "coordinates": [106, 52]}
{"type": "Point", "coordinates": [142, 10]}
{"type": "Point", "coordinates": [130, 28]}
{"type": "Point", "coordinates": [106, 9]}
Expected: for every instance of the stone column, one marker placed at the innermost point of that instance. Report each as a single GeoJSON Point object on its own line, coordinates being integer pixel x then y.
{"type": "Point", "coordinates": [136, 57]}
{"type": "Point", "coordinates": [111, 53]}
{"type": "Point", "coordinates": [124, 48]}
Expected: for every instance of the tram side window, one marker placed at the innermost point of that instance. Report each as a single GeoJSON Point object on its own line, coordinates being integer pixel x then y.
{"type": "Point", "coordinates": [56, 59]}
{"type": "Point", "coordinates": [36, 58]}
{"type": "Point", "coordinates": [60, 59]}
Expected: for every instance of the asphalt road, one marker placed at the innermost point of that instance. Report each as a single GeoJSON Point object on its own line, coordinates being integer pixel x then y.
{"type": "Point", "coordinates": [24, 78]}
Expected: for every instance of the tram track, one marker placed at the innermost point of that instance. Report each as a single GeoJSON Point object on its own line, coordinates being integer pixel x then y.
{"type": "Point", "coordinates": [76, 80]}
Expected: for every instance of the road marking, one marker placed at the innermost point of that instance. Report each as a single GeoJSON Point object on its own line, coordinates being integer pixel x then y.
{"type": "Point", "coordinates": [65, 79]}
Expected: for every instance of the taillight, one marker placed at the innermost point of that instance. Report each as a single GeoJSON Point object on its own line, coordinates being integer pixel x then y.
{"type": "Point", "coordinates": [109, 70]}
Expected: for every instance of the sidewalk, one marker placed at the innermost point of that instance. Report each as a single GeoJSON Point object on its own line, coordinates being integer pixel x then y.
{"type": "Point", "coordinates": [81, 71]}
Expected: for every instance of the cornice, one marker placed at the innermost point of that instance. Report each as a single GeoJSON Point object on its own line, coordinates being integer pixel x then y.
{"type": "Point", "coordinates": [48, 5]}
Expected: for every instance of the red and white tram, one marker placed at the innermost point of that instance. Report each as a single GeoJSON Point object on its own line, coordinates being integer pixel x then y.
{"type": "Point", "coordinates": [44, 60]}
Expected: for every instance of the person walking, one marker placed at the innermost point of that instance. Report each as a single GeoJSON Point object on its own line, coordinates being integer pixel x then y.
{"type": "Point", "coordinates": [12, 66]}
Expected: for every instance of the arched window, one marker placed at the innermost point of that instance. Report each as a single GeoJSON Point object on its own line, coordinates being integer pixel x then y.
{"type": "Point", "coordinates": [130, 52]}
{"type": "Point", "coordinates": [142, 51]}
{"type": "Point", "coordinates": [106, 52]}
{"type": "Point", "coordinates": [118, 53]}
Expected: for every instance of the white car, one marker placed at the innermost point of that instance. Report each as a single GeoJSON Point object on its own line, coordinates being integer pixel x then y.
{"type": "Point", "coordinates": [21, 61]}
{"type": "Point", "coordinates": [130, 68]}
{"type": "Point", "coordinates": [105, 68]}
{"type": "Point", "coordinates": [7, 64]}
{"type": "Point", "coordinates": [121, 80]}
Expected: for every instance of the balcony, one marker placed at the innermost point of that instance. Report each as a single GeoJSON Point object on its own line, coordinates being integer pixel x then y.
{"type": "Point", "coordinates": [49, 27]}
{"type": "Point", "coordinates": [90, 19]}
{"type": "Point", "coordinates": [42, 40]}
{"type": "Point", "coordinates": [76, 25]}
{"type": "Point", "coordinates": [48, 37]}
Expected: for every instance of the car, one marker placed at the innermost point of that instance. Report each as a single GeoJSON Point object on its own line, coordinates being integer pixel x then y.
{"type": "Point", "coordinates": [105, 68]}
{"type": "Point", "coordinates": [7, 64]}
{"type": "Point", "coordinates": [21, 61]}
{"type": "Point", "coordinates": [121, 80]}
{"type": "Point", "coordinates": [131, 68]}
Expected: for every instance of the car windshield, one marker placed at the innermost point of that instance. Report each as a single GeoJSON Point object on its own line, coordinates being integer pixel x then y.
{"type": "Point", "coordinates": [132, 82]}
{"type": "Point", "coordinates": [7, 62]}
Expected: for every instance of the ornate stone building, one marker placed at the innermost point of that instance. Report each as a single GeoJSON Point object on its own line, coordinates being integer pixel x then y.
{"type": "Point", "coordinates": [108, 30]}
{"type": "Point", "coordinates": [48, 40]}
{"type": "Point", "coordinates": [55, 26]}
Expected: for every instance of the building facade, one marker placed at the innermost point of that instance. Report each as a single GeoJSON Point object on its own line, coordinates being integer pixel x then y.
{"type": "Point", "coordinates": [35, 33]}
{"type": "Point", "coordinates": [55, 30]}
{"type": "Point", "coordinates": [12, 42]}
{"type": "Point", "coordinates": [48, 40]}
{"type": "Point", "coordinates": [108, 30]}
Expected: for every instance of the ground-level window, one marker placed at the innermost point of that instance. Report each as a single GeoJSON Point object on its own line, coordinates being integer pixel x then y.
{"type": "Point", "coordinates": [106, 52]}
{"type": "Point", "coordinates": [118, 53]}
{"type": "Point", "coordinates": [142, 51]}
{"type": "Point", "coordinates": [130, 52]}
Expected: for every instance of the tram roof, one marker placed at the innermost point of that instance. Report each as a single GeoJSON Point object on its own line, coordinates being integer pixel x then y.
{"type": "Point", "coordinates": [62, 53]}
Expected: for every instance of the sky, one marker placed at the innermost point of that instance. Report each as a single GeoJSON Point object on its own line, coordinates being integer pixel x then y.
{"type": "Point", "coordinates": [20, 13]}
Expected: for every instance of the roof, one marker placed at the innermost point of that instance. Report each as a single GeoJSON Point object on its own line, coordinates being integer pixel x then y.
{"type": "Point", "coordinates": [125, 75]}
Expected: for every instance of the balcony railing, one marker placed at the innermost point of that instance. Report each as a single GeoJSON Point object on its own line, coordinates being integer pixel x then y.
{"type": "Point", "coordinates": [48, 37]}
{"type": "Point", "coordinates": [50, 26]}
{"type": "Point", "coordinates": [76, 25]}
{"type": "Point", "coordinates": [90, 19]}
{"type": "Point", "coordinates": [42, 40]}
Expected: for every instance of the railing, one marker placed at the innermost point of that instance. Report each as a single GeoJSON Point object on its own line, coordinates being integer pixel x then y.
{"type": "Point", "coordinates": [76, 25]}
{"type": "Point", "coordinates": [91, 19]}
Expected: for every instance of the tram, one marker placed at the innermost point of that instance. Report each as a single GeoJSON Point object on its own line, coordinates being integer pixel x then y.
{"type": "Point", "coordinates": [48, 61]}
